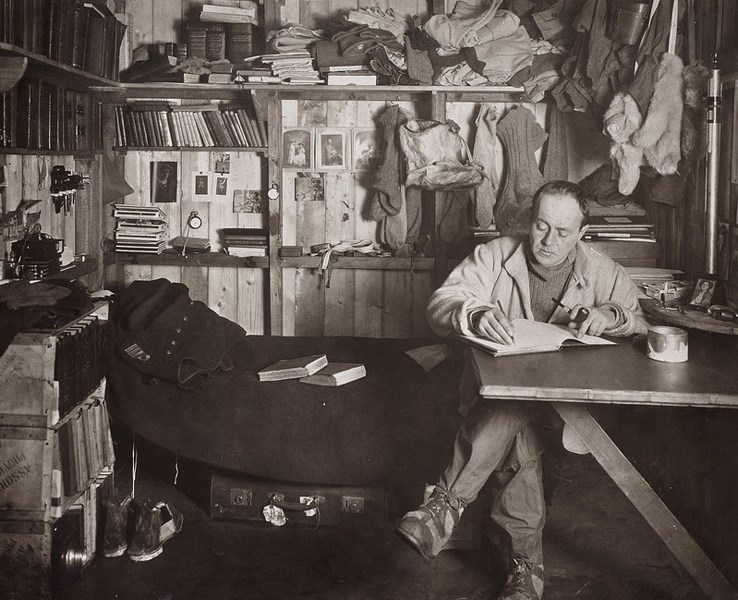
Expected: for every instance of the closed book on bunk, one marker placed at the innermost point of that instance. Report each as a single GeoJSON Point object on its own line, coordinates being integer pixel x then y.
{"type": "Point", "coordinates": [293, 368]}
{"type": "Point", "coordinates": [335, 374]}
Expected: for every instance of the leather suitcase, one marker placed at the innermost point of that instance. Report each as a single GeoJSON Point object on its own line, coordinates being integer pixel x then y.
{"type": "Point", "coordinates": [241, 498]}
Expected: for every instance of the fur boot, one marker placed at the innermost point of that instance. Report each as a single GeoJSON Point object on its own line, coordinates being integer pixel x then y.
{"type": "Point", "coordinates": [659, 137]}
{"type": "Point", "coordinates": [621, 120]}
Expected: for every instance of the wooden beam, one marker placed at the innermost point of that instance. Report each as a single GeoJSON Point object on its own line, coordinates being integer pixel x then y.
{"type": "Point", "coordinates": [647, 502]}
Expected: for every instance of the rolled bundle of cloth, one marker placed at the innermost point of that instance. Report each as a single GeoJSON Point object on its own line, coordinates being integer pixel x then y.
{"type": "Point", "coordinates": [293, 37]}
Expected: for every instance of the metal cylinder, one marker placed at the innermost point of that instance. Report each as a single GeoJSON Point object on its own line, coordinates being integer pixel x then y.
{"type": "Point", "coordinates": [713, 163]}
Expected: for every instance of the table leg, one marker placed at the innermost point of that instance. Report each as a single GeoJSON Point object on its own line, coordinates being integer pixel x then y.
{"type": "Point", "coordinates": [646, 501]}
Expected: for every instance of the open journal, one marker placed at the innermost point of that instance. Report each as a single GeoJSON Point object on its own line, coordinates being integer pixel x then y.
{"type": "Point", "coordinates": [533, 336]}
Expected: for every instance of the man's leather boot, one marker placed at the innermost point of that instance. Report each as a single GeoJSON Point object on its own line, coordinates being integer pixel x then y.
{"type": "Point", "coordinates": [428, 528]}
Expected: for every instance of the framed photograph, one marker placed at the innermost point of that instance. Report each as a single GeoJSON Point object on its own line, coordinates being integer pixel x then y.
{"type": "Point", "coordinates": [247, 201]}
{"type": "Point", "coordinates": [331, 150]}
{"type": "Point", "coordinates": [221, 162]}
{"type": "Point", "coordinates": [221, 187]}
{"type": "Point", "coordinates": [309, 187]}
{"type": "Point", "coordinates": [703, 294]}
{"type": "Point", "coordinates": [297, 149]}
{"type": "Point", "coordinates": [723, 249]}
{"type": "Point", "coordinates": [163, 181]}
{"type": "Point", "coordinates": [201, 187]}
{"type": "Point", "coordinates": [367, 149]}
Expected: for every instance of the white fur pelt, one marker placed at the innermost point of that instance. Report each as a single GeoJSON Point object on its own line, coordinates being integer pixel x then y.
{"type": "Point", "coordinates": [621, 120]}
{"type": "Point", "coordinates": [660, 135]}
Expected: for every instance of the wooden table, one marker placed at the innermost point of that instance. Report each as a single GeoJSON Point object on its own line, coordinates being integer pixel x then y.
{"type": "Point", "coordinates": [574, 377]}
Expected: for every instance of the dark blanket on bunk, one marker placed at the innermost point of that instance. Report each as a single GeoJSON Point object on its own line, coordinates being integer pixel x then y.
{"type": "Point", "coordinates": [396, 425]}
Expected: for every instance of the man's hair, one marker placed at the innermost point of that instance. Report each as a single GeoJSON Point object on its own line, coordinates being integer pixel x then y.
{"type": "Point", "coordinates": [559, 187]}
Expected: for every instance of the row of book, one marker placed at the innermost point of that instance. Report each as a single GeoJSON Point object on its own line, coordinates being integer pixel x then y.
{"type": "Point", "coordinates": [36, 114]}
{"type": "Point", "coordinates": [620, 228]}
{"type": "Point", "coordinates": [152, 124]}
{"type": "Point", "coordinates": [79, 366]}
{"type": "Point", "coordinates": [83, 34]}
{"type": "Point", "coordinates": [244, 241]}
{"type": "Point", "coordinates": [140, 229]}
{"type": "Point", "coordinates": [217, 41]}
{"type": "Point", "coordinates": [83, 448]}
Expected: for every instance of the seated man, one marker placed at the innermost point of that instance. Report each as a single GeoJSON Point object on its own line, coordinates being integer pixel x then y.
{"type": "Point", "coordinates": [502, 280]}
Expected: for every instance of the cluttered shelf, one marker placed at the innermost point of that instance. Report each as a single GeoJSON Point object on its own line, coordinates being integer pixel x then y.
{"type": "Point", "coordinates": [204, 259]}
{"type": "Point", "coordinates": [386, 263]}
{"type": "Point", "coordinates": [259, 150]}
{"type": "Point", "coordinates": [689, 318]}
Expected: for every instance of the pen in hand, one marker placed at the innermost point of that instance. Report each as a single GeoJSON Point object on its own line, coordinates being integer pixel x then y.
{"type": "Point", "coordinates": [502, 310]}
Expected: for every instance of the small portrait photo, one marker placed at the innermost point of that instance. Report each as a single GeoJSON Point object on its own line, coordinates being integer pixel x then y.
{"type": "Point", "coordinates": [247, 201]}
{"type": "Point", "coordinates": [163, 181]}
{"type": "Point", "coordinates": [331, 150]}
{"type": "Point", "coordinates": [297, 149]}
{"type": "Point", "coordinates": [309, 187]}
{"type": "Point", "coordinates": [723, 249]}
{"type": "Point", "coordinates": [201, 187]}
{"type": "Point", "coordinates": [221, 187]}
{"type": "Point", "coordinates": [367, 149]}
{"type": "Point", "coordinates": [703, 293]}
{"type": "Point", "coordinates": [221, 162]}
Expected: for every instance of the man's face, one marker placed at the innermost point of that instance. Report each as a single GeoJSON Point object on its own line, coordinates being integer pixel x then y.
{"type": "Point", "coordinates": [555, 229]}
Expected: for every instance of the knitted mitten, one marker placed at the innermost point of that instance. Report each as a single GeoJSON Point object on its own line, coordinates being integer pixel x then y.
{"type": "Point", "coordinates": [485, 151]}
{"type": "Point", "coordinates": [520, 136]}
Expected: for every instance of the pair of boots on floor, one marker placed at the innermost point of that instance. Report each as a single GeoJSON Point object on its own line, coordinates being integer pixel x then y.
{"type": "Point", "coordinates": [138, 528]}
{"type": "Point", "coordinates": [497, 439]}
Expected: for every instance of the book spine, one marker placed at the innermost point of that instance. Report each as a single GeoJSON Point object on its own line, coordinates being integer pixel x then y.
{"type": "Point", "coordinates": [165, 128]}
{"type": "Point", "coordinates": [239, 41]}
{"type": "Point", "coordinates": [224, 126]}
{"type": "Point", "coordinates": [215, 41]}
{"type": "Point", "coordinates": [173, 130]}
{"type": "Point", "coordinates": [79, 37]}
{"type": "Point", "coordinates": [196, 37]}
{"type": "Point", "coordinates": [213, 129]}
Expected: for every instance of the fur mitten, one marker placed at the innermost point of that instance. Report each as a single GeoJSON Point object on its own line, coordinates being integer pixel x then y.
{"type": "Point", "coordinates": [621, 120]}
{"type": "Point", "coordinates": [659, 137]}
{"type": "Point", "coordinates": [694, 118]}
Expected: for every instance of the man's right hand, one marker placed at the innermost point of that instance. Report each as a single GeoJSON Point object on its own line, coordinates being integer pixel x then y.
{"type": "Point", "coordinates": [493, 324]}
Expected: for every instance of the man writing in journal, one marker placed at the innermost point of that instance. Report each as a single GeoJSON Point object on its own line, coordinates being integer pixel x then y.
{"type": "Point", "coordinates": [506, 279]}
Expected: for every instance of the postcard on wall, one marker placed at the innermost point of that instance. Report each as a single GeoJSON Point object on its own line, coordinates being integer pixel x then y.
{"type": "Point", "coordinates": [163, 181]}
{"type": "Point", "coordinates": [221, 162]}
{"type": "Point", "coordinates": [247, 201]}
{"type": "Point", "coordinates": [201, 187]}
{"type": "Point", "coordinates": [309, 187]}
{"type": "Point", "coordinates": [367, 149]}
{"type": "Point", "coordinates": [221, 187]}
{"type": "Point", "coordinates": [331, 149]}
{"type": "Point", "coordinates": [297, 149]}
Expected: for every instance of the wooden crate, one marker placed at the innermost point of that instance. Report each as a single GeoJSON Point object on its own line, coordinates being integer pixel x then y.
{"type": "Point", "coordinates": [25, 553]}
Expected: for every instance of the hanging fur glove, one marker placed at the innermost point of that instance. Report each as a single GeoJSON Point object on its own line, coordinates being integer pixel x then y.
{"type": "Point", "coordinates": [659, 137]}
{"type": "Point", "coordinates": [621, 120]}
{"type": "Point", "coordinates": [694, 117]}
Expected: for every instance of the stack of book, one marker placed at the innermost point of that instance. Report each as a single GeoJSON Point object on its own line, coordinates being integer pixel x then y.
{"type": "Point", "coordinates": [245, 242]}
{"type": "Point", "coordinates": [160, 124]}
{"type": "Point", "coordinates": [230, 11]}
{"type": "Point", "coordinates": [620, 228]}
{"type": "Point", "coordinates": [221, 72]}
{"type": "Point", "coordinates": [293, 67]}
{"type": "Point", "coordinates": [140, 229]}
{"type": "Point", "coordinates": [349, 75]}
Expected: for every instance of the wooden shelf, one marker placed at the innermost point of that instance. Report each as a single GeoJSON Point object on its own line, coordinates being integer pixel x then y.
{"type": "Point", "coordinates": [234, 91]}
{"type": "Point", "coordinates": [75, 270]}
{"type": "Point", "coordinates": [385, 263]}
{"type": "Point", "coordinates": [691, 319]}
{"type": "Point", "coordinates": [39, 152]}
{"type": "Point", "coordinates": [258, 150]}
{"type": "Point", "coordinates": [52, 71]}
{"type": "Point", "coordinates": [204, 259]}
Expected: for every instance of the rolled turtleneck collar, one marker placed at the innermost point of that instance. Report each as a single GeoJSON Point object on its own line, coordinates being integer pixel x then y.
{"type": "Point", "coordinates": [547, 282]}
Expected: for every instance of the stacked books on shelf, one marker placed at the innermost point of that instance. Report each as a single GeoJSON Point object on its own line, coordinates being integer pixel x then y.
{"type": "Point", "coordinates": [620, 228]}
{"type": "Point", "coordinates": [162, 124]}
{"type": "Point", "coordinates": [294, 67]}
{"type": "Point", "coordinates": [221, 72]}
{"type": "Point", "coordinates": [245, 242]}
{"type": "Point", "coordinates": [230, 11]}
{"type": "Point", "coordinates": [140, 229]}
{"type": "Point", "coordinates": [349, 75]}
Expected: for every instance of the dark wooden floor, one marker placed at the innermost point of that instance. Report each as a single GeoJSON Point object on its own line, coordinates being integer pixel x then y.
{"type": "Point", "coordinates": [596, 545]}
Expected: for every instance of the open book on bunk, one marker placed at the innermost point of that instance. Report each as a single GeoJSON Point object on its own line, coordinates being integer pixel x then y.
{"type": "Point", "coordinates": [532, 337]}
{"type": "Point", "coordinates": [293, 368]}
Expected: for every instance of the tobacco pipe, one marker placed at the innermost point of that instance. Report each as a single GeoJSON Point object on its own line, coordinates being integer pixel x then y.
{"type": "Point", "coordinates": [581, 314]}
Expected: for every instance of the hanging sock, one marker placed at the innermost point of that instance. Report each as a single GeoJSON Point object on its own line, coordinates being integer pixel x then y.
{"type": "Point", "coordinates": [556, 166]}
{"type": "Point", "coordinates": [454, 224]}
{"type": "Point", "coordinates": [414, 209]}
{"type": "Point", "coordinates": [520, 136]}
{"type": "Point", "coordinates": [485, 154]}
{"type": "Point", "coordinates": [387, 197]}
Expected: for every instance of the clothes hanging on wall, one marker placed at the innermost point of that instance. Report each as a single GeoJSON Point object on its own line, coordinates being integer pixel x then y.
{"type": "Point", "coordinates": [485, 154]}
{"type": "Point", "coordinates": [556, 163]}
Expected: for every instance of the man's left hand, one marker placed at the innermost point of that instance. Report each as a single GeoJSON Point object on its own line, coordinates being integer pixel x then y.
{"type": "Point", "coordinates": [596, 323]}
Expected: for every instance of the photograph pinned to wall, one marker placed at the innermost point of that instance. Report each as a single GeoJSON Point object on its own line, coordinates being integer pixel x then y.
{"type": "Point", "coordinates": [221, 187]}
{"type": "Point", "coordinates": [367, 149]}
{"type": "Point", "coordinates": [201, 187]}
{"type": "Point", "coordinates": [221, 162]}
{"type": "Point", "coordinates": [163, 181]}
{"type": "Point", "coordinates": [723, 249]}
{"type": "Point", "coordinates": [331, 150]}
{"type": "Point", "coordinates": [247, 201]}
{"type": "Point", "coordinates": [297, 149]}
{"type": "Point", "coordinates": [309, 187]}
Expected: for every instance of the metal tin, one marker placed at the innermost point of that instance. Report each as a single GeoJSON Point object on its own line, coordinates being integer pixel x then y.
{"type": "Point", "coordinates": [667, 344]}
